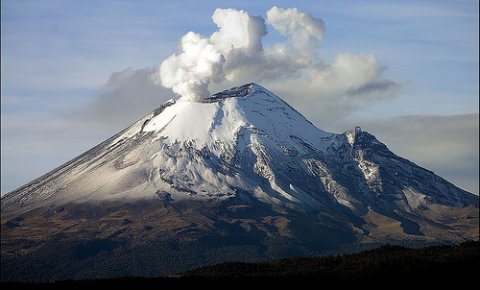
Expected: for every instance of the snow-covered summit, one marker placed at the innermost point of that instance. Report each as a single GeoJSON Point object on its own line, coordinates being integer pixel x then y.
{"type": "Point", "coordinates": [242, 91]}
{"type": "Point", "coordinates": [220, 118]}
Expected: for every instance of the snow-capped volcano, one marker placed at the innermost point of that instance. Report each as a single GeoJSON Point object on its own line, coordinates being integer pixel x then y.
{"type": "Point", "coordinates": [192, 149]}
{"type": "Point", "coordinates": [239, 168]}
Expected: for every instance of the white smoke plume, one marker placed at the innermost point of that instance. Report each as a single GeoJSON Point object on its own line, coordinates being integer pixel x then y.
{"type": "Point", "coordinates": [304, 30]}
{"type": "Point", "coordinates": [189, 72]}
{"type": "Point", "coordinates": [203, 60]}
{"type": "Point", "coordinates": [234, 54]}
{"type": "Point", "coordinates": [238, 32]}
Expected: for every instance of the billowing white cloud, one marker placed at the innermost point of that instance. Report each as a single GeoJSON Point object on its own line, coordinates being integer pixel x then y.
{"type": "Point", "coordinates": [202, 60]}
{"type": "Point", "coordinates": [304, 30]}
{"type": "Point", "coordinates": [238, 31]}
{"type": "Point", "coordinates": [234, 55]}
{"type": "Point", "coordinates": [190, 72]}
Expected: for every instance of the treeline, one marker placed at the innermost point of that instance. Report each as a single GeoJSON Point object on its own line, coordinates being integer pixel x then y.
{"type": "Point", "coordinates": [386, 260]}
{"type": "Point", "coordinates": [382, 268]}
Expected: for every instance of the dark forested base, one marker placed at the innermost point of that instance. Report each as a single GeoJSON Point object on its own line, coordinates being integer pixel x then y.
{"type": "Point", "coordinates": [389, 266]}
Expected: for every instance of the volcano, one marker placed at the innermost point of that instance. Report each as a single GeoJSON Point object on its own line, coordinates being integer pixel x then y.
{"type": "Point", "coordinates": [238, 176]}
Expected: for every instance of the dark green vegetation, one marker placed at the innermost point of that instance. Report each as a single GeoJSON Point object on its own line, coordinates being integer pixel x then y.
{"type": "Point", "coordinates": [382, 268]}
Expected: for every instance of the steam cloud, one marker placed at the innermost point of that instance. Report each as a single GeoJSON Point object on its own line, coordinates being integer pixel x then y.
{"type": "Point", "coordinates": [234, 54]}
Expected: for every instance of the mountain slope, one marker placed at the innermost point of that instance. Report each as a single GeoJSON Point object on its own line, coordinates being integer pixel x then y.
{"type": "Point", "coordinates": [238, 176]}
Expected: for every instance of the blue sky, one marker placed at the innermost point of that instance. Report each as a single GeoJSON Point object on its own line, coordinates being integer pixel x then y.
{"type": "Point", "coordinates": [59, 97]}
